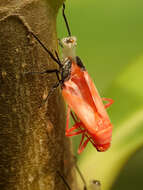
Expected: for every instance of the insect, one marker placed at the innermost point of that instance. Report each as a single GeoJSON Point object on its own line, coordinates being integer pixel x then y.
{"type": "Point", "coordinates": [84, 102]}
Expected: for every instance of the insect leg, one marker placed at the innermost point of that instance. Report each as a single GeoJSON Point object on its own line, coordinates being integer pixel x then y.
{"type": "Point", "coordinates": [60, 43]}
{"type": "Point", "coordinates": [82, 145]}
{"type": "Point", "coordinates": [55, 86]}
{"type": "Point", "coordinates": [110, 101]}
{"type": "Point", "coordinates": [58, 58]}
{"type": "Point", "coordinates": [47, 71]}
{"type": "Point", "coordinates": [69, 132]}
{"type": "Point", "coordinates": [74, 117]}
{"type": "Point", "coordinates": [75, 126]}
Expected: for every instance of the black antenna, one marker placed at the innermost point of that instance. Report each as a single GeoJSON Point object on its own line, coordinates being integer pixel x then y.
{"type": "Point", "coordinates": [67, 185]}
{"type": "Point", "coordinates": [48, 51]}
{"type": "Point", "coordinates": [65, 19]}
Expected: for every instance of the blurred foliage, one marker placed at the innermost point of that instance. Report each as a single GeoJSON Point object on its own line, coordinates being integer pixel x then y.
{"type": "Point", "coordinates": [110, 44]}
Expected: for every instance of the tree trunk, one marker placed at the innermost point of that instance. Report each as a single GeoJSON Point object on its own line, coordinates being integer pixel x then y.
{"type": "Point", "coordinates": [33, 146]}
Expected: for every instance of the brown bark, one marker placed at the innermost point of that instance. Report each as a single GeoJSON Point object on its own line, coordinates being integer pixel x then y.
{"type": "Point", "coordinates": [32, 141]}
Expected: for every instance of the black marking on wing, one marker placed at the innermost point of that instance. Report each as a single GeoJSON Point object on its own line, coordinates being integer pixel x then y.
{"type": "Point", "coordinates": [80, 63]}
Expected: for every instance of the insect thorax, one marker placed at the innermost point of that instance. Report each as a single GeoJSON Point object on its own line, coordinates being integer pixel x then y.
{"type": "Point", "coordinates": [66, 69]}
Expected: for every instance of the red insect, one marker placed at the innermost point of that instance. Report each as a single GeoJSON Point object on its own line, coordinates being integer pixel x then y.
{"type": "Point", "coordinates": [82, 97]}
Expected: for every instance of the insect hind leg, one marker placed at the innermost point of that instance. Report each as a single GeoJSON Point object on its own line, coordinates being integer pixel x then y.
{"type": "Point", "coordinates": [83, 143]}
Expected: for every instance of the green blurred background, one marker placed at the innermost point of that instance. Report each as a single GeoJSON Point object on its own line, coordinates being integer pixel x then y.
{"type": "Point", "coordinates": [110, 43]}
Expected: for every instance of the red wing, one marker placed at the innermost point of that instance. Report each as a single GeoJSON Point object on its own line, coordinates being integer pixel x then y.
{"type": "Point", "coordinates": [76, 102]}
{"type": "Point", "coordinates": [95, 96]}
{"type": "Point", "coordinates": [77, 95]}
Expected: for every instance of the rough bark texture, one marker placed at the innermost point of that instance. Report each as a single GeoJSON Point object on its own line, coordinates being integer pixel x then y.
{"type": "Point", "coordinates": [32, 141]}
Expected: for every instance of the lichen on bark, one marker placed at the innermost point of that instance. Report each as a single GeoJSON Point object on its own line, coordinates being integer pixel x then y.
{"type": "Point", "coordinates": [32, 141]}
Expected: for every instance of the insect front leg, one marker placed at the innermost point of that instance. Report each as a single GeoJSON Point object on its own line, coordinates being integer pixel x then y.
{"type": "Point", "coordinates": [46, 72]}
{"type": "Point", "coordinates": [55, 86]}
{"type": "Point", "coordinates": [109, 100]}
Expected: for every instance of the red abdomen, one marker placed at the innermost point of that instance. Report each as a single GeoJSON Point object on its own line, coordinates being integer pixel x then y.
{"type": "Point", "coordinates": [102, 138]}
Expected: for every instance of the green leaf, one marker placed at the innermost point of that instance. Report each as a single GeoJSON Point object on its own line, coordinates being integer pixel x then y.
{"type": "Point", "coordinates": [127, 116]}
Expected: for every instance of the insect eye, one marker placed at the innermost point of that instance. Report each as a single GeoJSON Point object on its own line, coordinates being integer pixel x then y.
{"type": "Point", "coordinates": [69, 41]}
